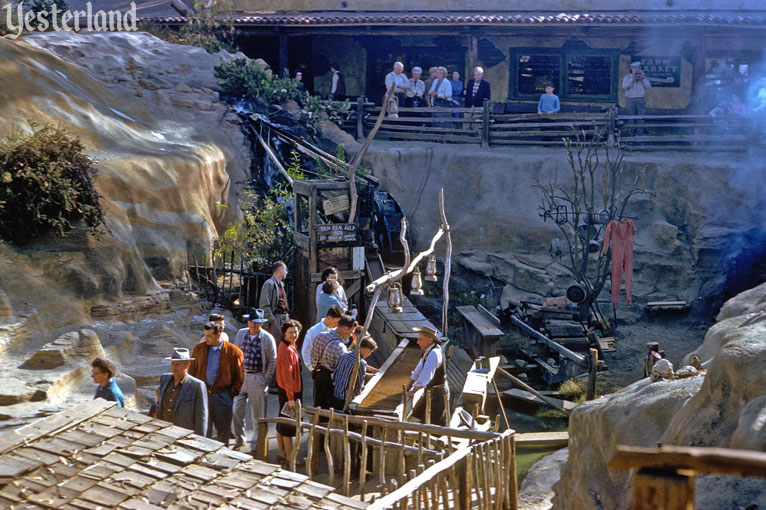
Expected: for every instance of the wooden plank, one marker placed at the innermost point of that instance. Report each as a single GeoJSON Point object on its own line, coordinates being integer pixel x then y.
{"type": "Point", "coordinates": [701, 460]}
{"type": "Point", "coordinates": [528, 397]}
{"type": "Point", "coordinates": [666, 303]}
{"type": "Point", "coordinates": [53, 424]}
{"type": "Point", "coordinates": [553, 439]}
{"type": "Point", "coordinates": [479, 322]}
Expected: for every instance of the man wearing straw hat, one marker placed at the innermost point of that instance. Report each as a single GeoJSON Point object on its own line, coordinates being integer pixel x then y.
{"type": "Point", "coordinates": [181, 398]}
{"type": "Point", "coordinates": [430, 375]}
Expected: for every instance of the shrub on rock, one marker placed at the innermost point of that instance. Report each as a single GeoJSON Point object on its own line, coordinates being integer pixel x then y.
{"type": "Point", "coordinates": [46, 185]}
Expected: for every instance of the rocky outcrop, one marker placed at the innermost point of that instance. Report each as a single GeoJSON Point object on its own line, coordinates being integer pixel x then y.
{"type": "Point", "coordinates": [723, 408]}
{"type": "Point", "coordinates": [169, 158]}
{"type": "Point", "coordinates": [699, 228]}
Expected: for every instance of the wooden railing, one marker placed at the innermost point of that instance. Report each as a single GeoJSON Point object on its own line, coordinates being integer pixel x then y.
{"type": "Point", "coordinates": [482, 126]}
{"type": "Point", "coordinates": [432, 466]}
{"type": "Point", "coordinates": [666, 475]}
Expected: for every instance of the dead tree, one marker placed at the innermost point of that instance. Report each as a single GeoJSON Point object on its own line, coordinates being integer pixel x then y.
{"type": "Point", "coordinates": [581, 209]}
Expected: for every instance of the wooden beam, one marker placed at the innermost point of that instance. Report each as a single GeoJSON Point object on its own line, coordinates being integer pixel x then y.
{"type": "Point", "coordinates": [702, 460]}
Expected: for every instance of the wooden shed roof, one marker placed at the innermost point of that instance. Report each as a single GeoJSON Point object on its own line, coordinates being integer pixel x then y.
{"type": "Point", "coordinates": [97, 455]}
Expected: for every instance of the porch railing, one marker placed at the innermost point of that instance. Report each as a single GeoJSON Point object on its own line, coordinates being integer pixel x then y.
{"type": "Point", "coordinates": [483, 127]}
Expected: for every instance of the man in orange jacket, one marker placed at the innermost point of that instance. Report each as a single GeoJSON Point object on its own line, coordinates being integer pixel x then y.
{"type": "Point", "coordinates": [220, 365]}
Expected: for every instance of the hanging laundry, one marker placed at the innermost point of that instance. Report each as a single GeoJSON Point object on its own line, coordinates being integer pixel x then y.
{"type": "Point", "coordinates": [621, 233]}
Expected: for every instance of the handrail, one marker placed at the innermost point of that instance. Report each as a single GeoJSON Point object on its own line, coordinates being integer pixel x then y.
{"type": "Point", "coordinates": [707, 460]}
{"type": "Point", "coordinates": [481, 126]}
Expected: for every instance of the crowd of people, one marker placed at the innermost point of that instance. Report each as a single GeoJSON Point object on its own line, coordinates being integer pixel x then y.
{"type": "Point", "coordinates": [436, 90]}
{"type": "Point", "coordinates": [209, 389]}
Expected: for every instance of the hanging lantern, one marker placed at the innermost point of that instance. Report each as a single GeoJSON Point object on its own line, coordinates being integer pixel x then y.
{"type": "Point", "coordinates": [417, 283]}
{"type": "Point", "coordinates": [431, 269]}
{"type": "Point", "coordinates": [394, 298]}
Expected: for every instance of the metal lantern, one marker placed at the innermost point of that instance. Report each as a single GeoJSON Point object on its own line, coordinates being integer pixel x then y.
{"type": "Point", "coordinates": [394, 297]}
{"type": "Point", "coordinates": [431, 269]}
{"type": "Point", "coordinates": [417, 283]}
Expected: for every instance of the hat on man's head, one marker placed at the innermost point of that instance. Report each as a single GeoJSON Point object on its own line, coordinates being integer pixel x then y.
{"type": "Point", "coordinates": [429, 331]}
{"type": "Point", "coordinates": [180, 354]}
{"type": "Point", "coordinates": [256, 315]}
{"type": "Point", "coordinates": [637, 63]}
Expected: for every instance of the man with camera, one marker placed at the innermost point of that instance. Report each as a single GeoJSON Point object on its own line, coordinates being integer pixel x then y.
{"type": "Point", "coordinates": [635, 85]}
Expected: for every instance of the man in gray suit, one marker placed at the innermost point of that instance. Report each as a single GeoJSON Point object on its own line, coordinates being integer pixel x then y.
{"type": "Point", "coordinates": [182, 399]}
{"type": "Point", "coordinates": [260, 364]}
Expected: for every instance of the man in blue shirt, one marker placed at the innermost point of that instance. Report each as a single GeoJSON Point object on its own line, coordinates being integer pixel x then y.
{"type": "Point", "coordinates": [549, 102]}
{"type": "Point", "coordinates": [102, 373]}
{"type": "Point", "coordinates": [342, 375]}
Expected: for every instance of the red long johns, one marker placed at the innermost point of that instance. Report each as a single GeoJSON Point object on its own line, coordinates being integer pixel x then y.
{"type": "Point", "coordinates": [622, 255]}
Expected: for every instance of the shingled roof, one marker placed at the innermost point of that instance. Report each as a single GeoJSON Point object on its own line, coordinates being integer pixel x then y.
{"type": "Point", "coordinates": [412, 18]}
{"type": "Point", "coordinates": [97, 455]}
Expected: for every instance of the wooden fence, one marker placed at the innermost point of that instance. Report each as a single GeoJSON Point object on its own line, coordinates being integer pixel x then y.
{"type": "Point", "coordinates": [435, 467]}
{"type": "Point", "coordinates": [229, 284]}
{"type": "Point", "coordinates": [483, 127]}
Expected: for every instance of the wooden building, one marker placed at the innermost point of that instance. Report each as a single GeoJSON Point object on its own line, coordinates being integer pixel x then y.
{"type": "Point", "coordinates": [691, 52]}
{"type": "Point", "coordinates": [97, 455]}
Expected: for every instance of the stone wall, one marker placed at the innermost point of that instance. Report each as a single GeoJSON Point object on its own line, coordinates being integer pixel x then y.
{"type": "Point", "coordinates": [690, 225]}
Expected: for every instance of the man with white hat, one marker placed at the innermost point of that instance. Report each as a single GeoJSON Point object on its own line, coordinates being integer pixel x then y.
{"type": "Point", "coordinates": [260, 364]}
{"type": "Point", "coordinates": [430, 374]}
{"type": "Point", "coordinates": [181, 398]}
{"type": "Point", "coordinates": [635, 85]}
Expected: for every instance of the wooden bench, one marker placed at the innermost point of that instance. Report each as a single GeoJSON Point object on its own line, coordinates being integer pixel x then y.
{"type": "Point", "coordinates": [481, 329]}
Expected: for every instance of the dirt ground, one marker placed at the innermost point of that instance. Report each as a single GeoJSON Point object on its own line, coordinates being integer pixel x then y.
{"type": "Point", "coordinates": [677, 335]}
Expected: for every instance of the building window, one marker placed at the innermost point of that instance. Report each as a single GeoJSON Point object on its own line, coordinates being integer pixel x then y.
{"type": "Point", "coordinates": [534, 71]}
{"type": "Point", "coordinates": [576, 74]}
{"type": "Point", "coordinates": [589, 75]}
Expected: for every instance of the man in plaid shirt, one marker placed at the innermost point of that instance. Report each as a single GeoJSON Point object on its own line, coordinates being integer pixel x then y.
{"type": "Point", "coordinates": [325, 352]}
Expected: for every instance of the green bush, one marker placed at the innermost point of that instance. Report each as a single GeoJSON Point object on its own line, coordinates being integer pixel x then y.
{"type": "Point", "coordinates": [246, 79]}
{"type": "Point", "coordinates": [46, 185]}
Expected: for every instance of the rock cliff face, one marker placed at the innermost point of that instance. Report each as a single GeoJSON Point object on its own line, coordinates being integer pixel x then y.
{"type": "Point", "coordinates": [726, 407]}
{"type": "Point", "coordinates": [699, 231]}
{"type": "Point", "coordinates": [169, 157]}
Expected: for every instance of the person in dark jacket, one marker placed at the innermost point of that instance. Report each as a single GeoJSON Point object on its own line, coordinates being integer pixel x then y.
{"type": "Point", "coordinates": [338, 86]}
{"type": "Point", "coordinates": [476, 90]}
{"type": "Point", "coordinates": [103, 372]}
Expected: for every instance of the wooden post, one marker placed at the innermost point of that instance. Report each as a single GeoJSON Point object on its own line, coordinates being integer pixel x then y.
{"type": "Point", "coordinates": [473, 55]}
{"type": "Point", "coordinates": [346, 459]}
{"type": "Point", "coordinates": [360, 117]}
{"type": "Point", "coordinates": [611, 124]}
{"type": "Point", "coordinates": [363, 468]}
{"type": "Point", "coordinates": [592, 374]}
{"type": "Point", "coordinates": [500, 403]}
{"type": "Point", "coordinates": [328, 451]}
{"type": "Point", "coordinates": [663, 490]}
{"type": "Point", "coordinates": [312, 458]}
{"type": "Point", "coordinates": [262, 452]}
{"type": "Point", "coordinates": [282, 55]}
{"type": "Point", "coordinates": [465, 481]}
{"type": "Point", "coordinates": [513, 485]}
{"type": "Point", "coordinates": [298, 434]}
{"type": "Point", "coordinates": [382, 459]}
{"type": "Point", "coordinates": [485, 125]}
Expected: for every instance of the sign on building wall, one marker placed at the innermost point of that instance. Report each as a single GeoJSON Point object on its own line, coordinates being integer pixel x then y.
{"type": "Point", "coordinates": [661, 71]}
{"type": "Point", "coordinates": [336, 233]}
